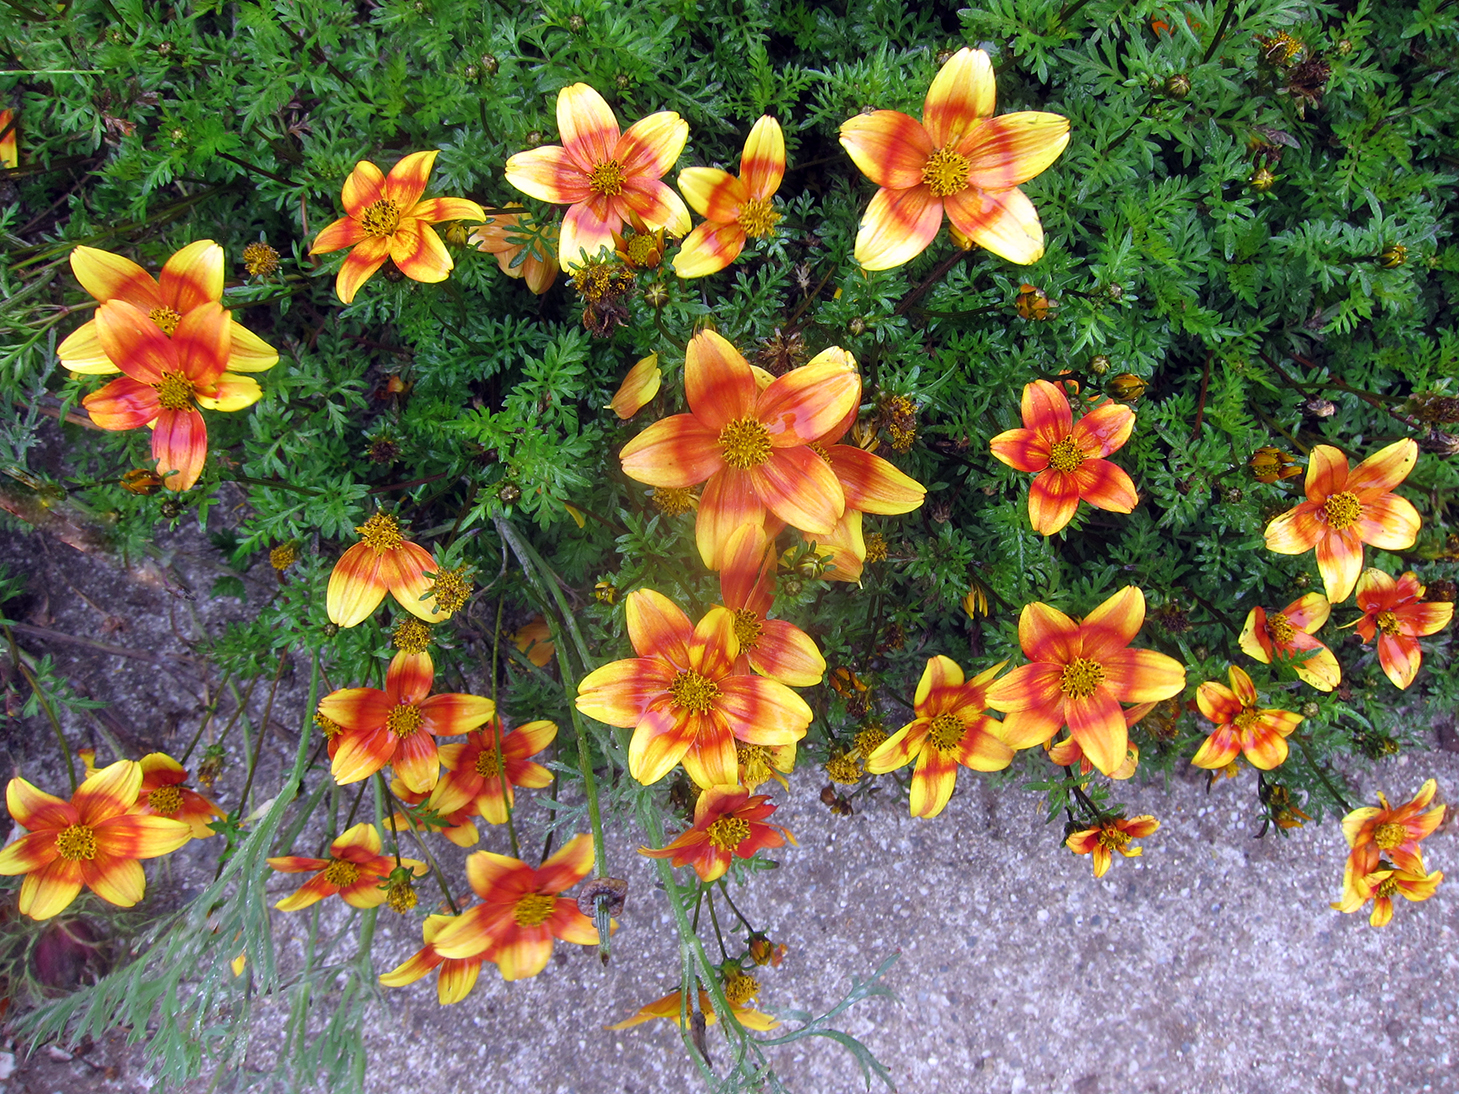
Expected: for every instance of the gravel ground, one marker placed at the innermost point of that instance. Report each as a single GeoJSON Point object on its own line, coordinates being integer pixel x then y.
{"type": "Point", "coordinates": [1213, 963]}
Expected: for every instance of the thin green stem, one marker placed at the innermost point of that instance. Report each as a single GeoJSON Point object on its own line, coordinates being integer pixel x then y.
{"type": "Point", "coordinates": [268, 711]}
{"type": "Point", "coordinates": [1220, 32]}
{"type": "Point", "coordinates": [714, 919]}
{"type": "Point", "coordinates": [425, 850]}
{"type": "Point", "coordinates": [40, 696]}
{"type": "Point", "coordinates": [723, 888]}
{"type": "Point", "coordinates": [1321, 772]}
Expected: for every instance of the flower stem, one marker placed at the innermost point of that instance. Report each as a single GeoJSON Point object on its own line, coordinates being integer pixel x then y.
{"type": "Point", "coordinates": [935, 276]}
{"type": "Point", "coordinates": [1321, 772]}
{"type": "Point", "coordinates": [421, 843]}
{"type": "Point", "coordinates": [1220, 31]}
{"type": "Point", "coordinates": [45, 705]}
{"type": "Point", "coordinates": [714, 919]}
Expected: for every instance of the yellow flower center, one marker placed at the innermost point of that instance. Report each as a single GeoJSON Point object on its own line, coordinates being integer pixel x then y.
{"type": "Point", "coordinates": [165, 318]}
{"type": "Point", "coordinates": [76, 843]}
{"type": "Point", "coordinates": [1280, 628]}
{"type": "Point", "coordinates": [341, 872]}
{"type": "Point", "coordinates": [400, 895]}
{"type": "Point", "coordinates": [167, 800]}
{"type": "Point", "coordinates": [381, 532]}
{"type": "Point", "coordinates": [820, 450]}
{"type": "Point", "coordinates": [740, 988]}
{"type": "Point", "coordinates": [452, 589]}
{"type": "Point", "coordinates": [606, 178]}
{"type": "Point", "coordinates": [1112, 838]}
{"type": "Point", "coordinates": [174, 391]}
{"type": "Point", "coordinates": [1081, 678]}
{"type": "Point", "coordinates": [1066, 455]}
{"type": "Point", "coordinates": [1389, 835]}
{"type": "Point", "coordinates": [283, 556]}
{"type": "Point", "coordinates": [694, 692]}
{"type": "Point", "coordinates": [845, 769]}
{"type": "Point", "coordinates": [411, 636]}
{"type": "Point", "coordinates": [1246, 719]}
{"type": "Point", "coordinates": [1343, 510]}
{"type": "Point", "coordinates": [594, 280]}
{"type": "Point", "coordinates": [328, 726]}
{"type": "Point", "coordinates": [381, 218]}
{"type": "Point", "coordinates": [758, 218]}
{"type": "Point", "coordinates": [1388, 624]}
{"type": "Point", "coordinates": [945, 732]}
{"type": "Point", "coordinates": [673, 500]}
{"type": "Point", "coordinates": [747, 629]}
{"type": "Point", "coordinates": [945, 172]}
{"type": "Point", "coordinates": [534, 909]}
{"type": "Point", "coordinates": [486, 765]}
{"type": "Point", "coordinates": [876, 547]}
{"type": "Point", "coordinates": [643, 251]}
{"type": "Point", "coordinates": [404, 720]}
{"type": "Point", "coordinates": [1386, 888]}
{"type": "Point", "coordinates": [745, 443]}
{"type": "Point", "coordinates": [755, 762]}
{"type": "Point", "coordinates": [870, 739]}
{"type": "Point", "coordinates": [727, 833]}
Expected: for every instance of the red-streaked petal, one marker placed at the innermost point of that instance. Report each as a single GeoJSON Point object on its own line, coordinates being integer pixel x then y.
{"type": "Point", "coordinates": [807, 402]}
{"type": "Point", "coordinates": [50, 890]}
{"type": "Point", "coordinates": [1384, 469]}
{"type": "Point", "coordinates": [961, 95]}
{"type": "Point", "coordinates": [710, 759]}
{"type": "Point", "coordinates": [455, 980]}
{"type": "Point", "coordinates": [762, 711]}
{"type": "Point", "coordinates": [1340, 561]}
{"type": "Point", "coordinates": [844, 546]}
{"type": "Point", "coordinates": [435, 210]}
{"type": "Point", "coordinates": [193, 276]}
{"type": "Point", "coordinates": [897, 226]}
{"type": "Point", "coordinates": [1327, 473]}
{"type": "Point", "coordinates": [403, 571]}
{"type": "Point", "coordinates": [107, 276]}
{"type": "Point", "coordinates": [762, 164]}
{"type": "Point", "coordinates": [899, 749]}
{"type": "Point", "coordinates": [413, 968]}
{"type": "Point", "coordinates": [119, 881]}
{"type": "Point", "coordinates": [1425, 619]}
{"type": "Point", "coordinates": [360, 265]}
{"type": "Point", "coordinates": [712, 648]}
{"type": "Point", "coordinates": [202, 340]}
{"type": "Point", "coordinates": [451, 713]}
{"type": "Point", "coordinates": [31, 852]}
{"type": "Point", "coordinates": [1098, 724]}
{"type": "Point", "coordinates": [1218, 750]}
{"type": "Point", "coordinates": [361, 753]}
{"type": "Point", "coordinates": [786, 653]}
{"type": "Point", "coordinates": [1047, 634]}
{"type": "Point", "coordinates": [708, 249]}
{"type": "Point", "coordinates": [1106, 486]}
{"type": "Point", "coordinates": [180, 446]}
{"type": "Point", "coordinates": [676, 452]}
{"type": "Point", "coordinates": [1321, 670]}
{"type": "Point", "coordinates": [108, 793]}
{"type": "Point", "coordinates": [416, 762]}
{"type": "Point", "coordinates": [344, 232]}
{"type": "Point", "coordinates": [620, 692]}
{"type": "Point", "coordinates": [1045, 410]}
{"type": "Point", "coordinates": [548, 174]}
{"type": "Point", "coordinates": [1029, 688]}
{"type": "Point", "coordinates": [1253, 640]}
{"type": "Point", "coordinates": [747, 578]}
{"type": "Point", "coordinates": [1242, 687]}
{"type": "Point", "coordinates": [638, 388]}
{"type": "Point", "coordinates": [659, 742]}
{"type": "Point", "coordinates": [1218, 703]}
{"type": "Point", "coordinates": [1113, 625]}
{"type": "Point", "coordinates": [567, 867]}
{"type": "Point", "coordinates": [231, 393]}
{"type": "Point", "coordinates": [656, 205]}
{"type": "Point", "coordinates": [718, 383]}
{"type": "Point", "coordinates": [419, 252]}
{"type": "Point", "coordinates": [140, 835]}
{"type": "Point", "coordinates": [587, 126]}
{"type": "Point", "coordinates": [1389, 522]}
{"type": "Point", "coordinates": [981, 750]}
{"type": "Point", "coordinates": [1400, 657]}
{"type": "Point", "coordinates": [1028, 728]}
{"type": "Point", "coordinates": [1142, 676]}
{"type": "Point", "coordinates": [583, 230]}
{"type": "Point", "coordinates": [355, 588]}
{"type": "Point", "coordinates": [1010, 149]}
{"type": "Point", "coordinates": [941, 675]}
{"type": "Point", "coordinates": [729, 500]}
{"type": "Point", "coordinates": [1296, 531]}
{"type": "Point", "coordinates": [123, 404]}
{"type": "Point", "coordinates": [33, 809]}
{"type": "Point", "coordinates": [524, 955]}
{"type": "Point", "coordinates": [798, 487]}
{"type": "Point", "coordinates": [933, 781]}
{"type": "Point", "coordinates": [1053, 498]}
{"type": "Point", "coordinates": [364, 186]}
{"type": "Point", "coordinates": [1265, 747]}
{"type": "Point", "coordinates": [658, 627]}
{"type": "Point", "coordinates": [714, 194]}
{"type": "Point", "coordinates": [407, 179]}
{"type": "Point", "coordinates": [134, 343]}
{"type": "Point", "coordinates": [1021, 449]}
{"type": "Point", "coordinates": [1005, 223]}
{"type": "Point", "coordinates": [1309, 612]}
{"type": "Point", "coordinates": [890, 147]}
{"type": "Point", "coordinates": [1104, 429]}
{"type": "Point", "coordinates": [570, 925]}
{"type": "Point", "coordinates": [649, 147]}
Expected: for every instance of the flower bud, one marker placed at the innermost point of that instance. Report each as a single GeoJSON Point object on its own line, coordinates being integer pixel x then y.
{"type": "Point", "coordinates": [399, 890]}
{"type": "Point", "coordinates": [1268, 464]}
{"type": "Point", "coordinates": [575, 23]}
{"type": "Point", "coordinates": [1099, 364]}
{"type": "Point", "coordinates": [1392, 256]}
{"type": "Point", "coordinates": [605, 592]}
{"type": "Point", "coordinates": [1261, 180]}
{"type": "Point", "coordinates": [140, 480]}
{"type": "Point", "coordinates": [1178, 86]}
{"type": "Point", "coordinates": [490, 63]}
{"type": "Point", "coordinates": [1032, 303]}
{"type": "Point", "coordinates": [1310, 709]}
{"type": "Point", "coordinates": [637, 389]}
{"type": "Point", "coordinates": [857, 326]}
{"type": "Point", "coordinates": [456, 233]}
{"type": "Point", "coordinates": [509, 494]}
{"type": "Point", "coordinates": [1126, 387]}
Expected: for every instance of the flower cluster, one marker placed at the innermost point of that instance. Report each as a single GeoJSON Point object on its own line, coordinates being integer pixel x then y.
{"type": "Point", "coordinates": [1384, 860]}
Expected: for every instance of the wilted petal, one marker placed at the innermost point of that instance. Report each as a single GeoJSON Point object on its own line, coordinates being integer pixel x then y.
{"type": "Point", "coordinates": [638, 388]}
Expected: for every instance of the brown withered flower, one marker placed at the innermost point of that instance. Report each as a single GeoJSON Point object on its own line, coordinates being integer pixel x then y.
{"type": "Point", "coordinates": [781, 352]}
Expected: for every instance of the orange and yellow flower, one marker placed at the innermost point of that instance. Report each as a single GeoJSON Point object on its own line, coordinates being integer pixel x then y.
{"type": "Point", "coordinates": [604, 176]}
{"type": "Point", "coordinates": [951, 728]}
{"type": "Point", "coordinates": [189, 279]}
{"type": "Point", "coordinates": [386, 217]}
{"type": "Point", "coordinates": [1242, 727]}
{"type": "Point", "coordinates": [758, 764]}
{"type": "Point", "coordinates": [637, 389]}
{"type": "Point", "coordinates": [521, 911]}
{"type": "Point", "coordinates": [683, 698]}
{"type": "Point", "coordinates": [729, 821]}
{"type": "Point", "coordinates": [355, 869]}
{"type": "Point", "coordinates": [455, 976]}
{"type": "Point", "coordinates": [1110, 835]}
{"type": "Point", "coordinates": [474, 775]}
{"type": "Point", "coordinates": [771, 647]}
{"type": "Point", "coordinates": [1395, 612]}
{"type": "Point", "coordinates": [751, 445]}
{"type": "Point", "coordinates": [1380, 831]}
{"type": "Point", "coordinates": [1346, 508]}
{"type": "Point", "coordinates": [9, 144]}
{"type": "Point", "coordinates": [1066, 457]}
{"type": "Point", "coordinates": [94, 840]}
{"type": "Point", "coordinates": [1067, 753]}
{"type": "Point", "coordinates": [959, 159]}
{"type": "Point", "coordinates": [1079, 675]}
{"type": "Point", "coordinates": [671, 1007]}
{"type": "Point", "coordinates": [163, 795]}
{"type": "Point", "coordinates": [383, 561]}
{"type": "Point", "coordinates": [399, 725]}
{"type": "Point", "coordinates": [734, 209]}
{"type": "Point", "coordinates": [1285, 637]}
{"type": "Point", "coordinates": [523, 248]}
{"type": "Point", "coordinates": [1381, 886]}
{"type": "Point", "coordinates": [165, 381]}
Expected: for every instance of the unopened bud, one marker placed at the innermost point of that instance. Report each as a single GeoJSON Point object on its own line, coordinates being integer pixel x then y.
{"type": "Point", "coordinates": [1126, 387]}
{"type": "Point", "coordinates": [1031, 302]}
{"type": "Point", "coordinates": [1392, 256]}
{"type": "Point", "coordinates": [1262, 180]}
{"type": "Point", "coordinates": [139, 480]}
{"type": "Point", "coordinates": [1178, 86]}
{"type": "Point", "coordinates": [1099, 364]}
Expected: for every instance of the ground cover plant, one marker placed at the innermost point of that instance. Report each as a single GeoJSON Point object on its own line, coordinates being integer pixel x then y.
{"type": "Point", "coordinates": [645, 406]}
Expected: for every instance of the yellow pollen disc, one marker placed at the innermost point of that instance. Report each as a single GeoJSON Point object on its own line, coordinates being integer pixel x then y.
{"type": "Point", "coordinates": [870, 739]}
{"type": "Point", "coordinates": [1280, 628]}
{"type": "Point", "coordinates": [486, 765]}
{"type": "Point", "coordinates": [1343, 510]}
{"type": "Point", "coordinates": [845, 769]}
{"type": "Point", "coordinates": [1081, 678]}
{"type": "Point", "coordinates": [820, 450]}
{"type": "Point", "coordinates": [945, 172]}
{"type": "Point", "coordinates": [1386, 888]}
{"type": "Point", "coordinates": [1389, 835]}
{"type": "Point", "coordinates": [1112, 838]}
{"type": "Point", "coordinates": [404, 720]}
{"type": "Point", "coordinates": [693, 692]}
{"type": "Point", "coordinates": [876, 547]}
{"type": "Point", "coordinates": [1388, 624]}
{"type": "Point", "coordinates": [739, 989]}
{"type": "Point", "coordinates": [757, 218]}
{"type": "Point", "coordinates": [381, 218]}
{"type": "Point", "coordinates": [167, 800]}
{"type": "Point", "coordinates": [1066, 455]}
{"type": "Point", "coordinates": [341, 872]}
{"type": "Point", "coordinates": [76, 843]}
{"type": "Point", "coordinates": [174, 391]}
{"type": "Point", "coordinates": [727, 833]}
{"type": "Point", "coordinates": [328, 726]}
{"type": "Point", "coordinates": [381, 532]}
{"type": "Point", "coordinates": [755, 762]}
{"type": "Point", "coordinates": [1246, 719]}
{"type": "Point", "coordinates": [534, 909]}
{"type": "Point", "coordinates": [606, 178]}
{"type": "Point", "coordinates": [411, 636]}
{"type": "Point", "coordinates": [643, 251]}
{"type": "Point", "coordinates": [401, 896]}
{"type": "Point", "coordinates": [946, 732]}
{"type": "Point", "coordinates": [747, 629]}
{"type": "Point", "coordinates": [452, 589]}
{"type": "Point", "coordinates": [165, 318]}
{"type": "Point", "coordinates": [745, 443]}
{"type": "Point", "coordinates": [673, 500]}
